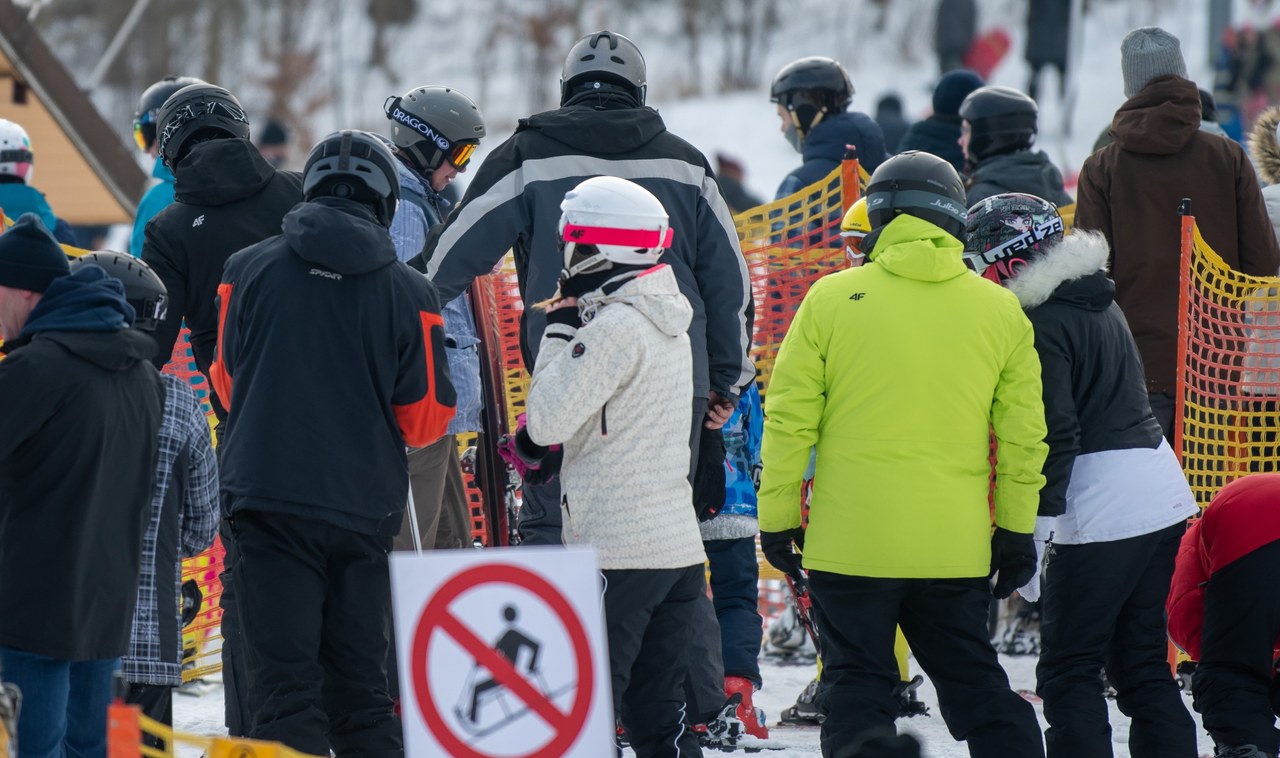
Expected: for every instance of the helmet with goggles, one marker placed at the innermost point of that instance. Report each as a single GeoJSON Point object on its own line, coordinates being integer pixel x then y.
{"type": "Point", "coordinates": [606, 220]}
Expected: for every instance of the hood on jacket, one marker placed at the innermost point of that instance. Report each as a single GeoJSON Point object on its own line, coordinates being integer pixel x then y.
{"type": "Point", "coordinates": [1077, 257]}
{"type": "Point", "coordinates": [1160, 119]}
{"type": "Point", "coordinates": [913, 248]}
{"type": "Point", "coordinates": [340, 235]}
{"type": "Point", "coordinates": [827, 140]}
{"type": "Point", "coordinates": [222, 171]}
{"type": "Point", "coordinates": [654, 292]}
{"type": "Point", "coordinates": [17, 199]}
{"type": "Point", "coordinates": [161, 171]}
{"type": "Point", "coordinates": [86, 313]}
{"type": "Point", "coordinates": [87, 300]}
{"type": "Point", "coordinates": [1263, 148]}
{"type": "Point", "coordinates": [601, 132]}
{"type": "Point", "coordinates": [1027, 171]}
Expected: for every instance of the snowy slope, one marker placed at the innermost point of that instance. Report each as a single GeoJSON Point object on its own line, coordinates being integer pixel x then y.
{"type": "Point", "coordinates": [203, 715]}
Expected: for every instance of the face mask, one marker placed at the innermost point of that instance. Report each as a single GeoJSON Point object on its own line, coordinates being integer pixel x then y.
{"type": "Point", "coordinates": [794, 136]}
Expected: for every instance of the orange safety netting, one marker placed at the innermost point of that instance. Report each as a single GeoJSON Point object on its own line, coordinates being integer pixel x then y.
{"type": "Point", "coordinates": [1229, 377]}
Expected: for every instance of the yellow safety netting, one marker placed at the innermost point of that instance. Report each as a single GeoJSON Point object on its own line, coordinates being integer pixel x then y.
{"type": "Point", "coordinates": [1229, 359]}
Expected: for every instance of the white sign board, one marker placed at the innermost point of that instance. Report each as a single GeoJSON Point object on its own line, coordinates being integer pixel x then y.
{"type": "Point", "coordinates": [502, 653]}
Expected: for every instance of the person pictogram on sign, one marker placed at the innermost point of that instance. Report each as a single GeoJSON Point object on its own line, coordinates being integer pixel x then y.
{"type": "Point", "coordinates": [509, 646]}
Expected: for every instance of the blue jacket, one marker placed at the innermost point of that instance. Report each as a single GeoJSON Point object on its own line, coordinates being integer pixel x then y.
{"type": "Point", "coordinates": [420, 209]}
{"type": "Point", "coordinates": [156, 199]}
{"type": "Point", "coordinates": [17, 199]}
{"type": "Point", "coordinates": [824, 149]}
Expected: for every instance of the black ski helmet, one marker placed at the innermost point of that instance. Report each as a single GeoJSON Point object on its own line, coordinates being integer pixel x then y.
{"type": "Point", "coordinates": [144, 119]}
{"type": "Point", "coordinates": [142, 287]}
{"type": "Point", "coordinates": [1000, 119]}
{"type": "Point", "coordinates": [432, 124]}
{"type": "Point", "coordinates": [1006, 232]}
{"type": "Point", "coordinates": [810, 88]}
{"type": "Point", "coordinates": [195, 113]}
{"type": "Point", "coordinates": [918, 184]}
{"type": "Point", "coordinates": [354, 165]}
{"type": "Point", "coordinates": [602, 60]}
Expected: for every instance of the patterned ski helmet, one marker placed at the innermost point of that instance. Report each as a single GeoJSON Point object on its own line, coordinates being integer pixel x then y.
{"type": "Point", "coordinates": [1006, 232]}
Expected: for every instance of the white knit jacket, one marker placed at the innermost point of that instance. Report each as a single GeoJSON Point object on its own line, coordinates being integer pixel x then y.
{"type": "Point", "coordinates": [618, 394]}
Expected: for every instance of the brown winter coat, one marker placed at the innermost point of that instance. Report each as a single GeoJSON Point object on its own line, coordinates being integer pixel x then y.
{"type": "Point", "coordinates": [1130, 192]}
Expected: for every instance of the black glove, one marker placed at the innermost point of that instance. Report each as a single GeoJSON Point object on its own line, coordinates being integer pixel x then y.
{"type": "Point", "coordinates": [777, 550]}
{"type": "Point", "coordinates": [1013, 561]}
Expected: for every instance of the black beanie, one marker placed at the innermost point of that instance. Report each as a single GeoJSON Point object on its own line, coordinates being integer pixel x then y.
{"type": "Point", "coordinates": [952, 89]}
{"type": "Point", "coordinates": [30, 257]}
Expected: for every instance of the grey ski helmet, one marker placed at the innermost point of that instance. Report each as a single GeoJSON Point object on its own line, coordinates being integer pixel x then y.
{"type": "Point", "coordinates": [142, 286]}
{"type": "Point", "coordinates": [604, 59]}
{"type": "Point", "coordinates": [810, 88]}
{"type": "Point", "coordinates": [430, 125]}
{"type": "Point", "coordinates": [354, 165]}
{"type": "Point", "coordinates": [918, 184]}
{"type": "Point", "coordinates": [195, 113]}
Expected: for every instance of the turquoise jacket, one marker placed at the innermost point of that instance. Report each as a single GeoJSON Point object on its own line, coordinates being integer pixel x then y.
{"type": "Point", "coordinates": [156, 199]}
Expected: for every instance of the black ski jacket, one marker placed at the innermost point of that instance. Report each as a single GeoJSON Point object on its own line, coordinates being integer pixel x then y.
{"type": "Point", "coordinates": [1095, 392]}
{"type": "Point", "coordinates": [227, 197]}
{"type": "Point", "coordinates": [330, 360]}
{"type": "Point", "coordinates": [1028, 171]}
{"type": "Point", "coordinates": [514, 202]}
{"type": "Point", "coordinates": [78, 445]}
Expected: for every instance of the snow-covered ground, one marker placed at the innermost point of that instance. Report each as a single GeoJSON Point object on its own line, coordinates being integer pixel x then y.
{"type": "Point", "coordinates": [203, 715]}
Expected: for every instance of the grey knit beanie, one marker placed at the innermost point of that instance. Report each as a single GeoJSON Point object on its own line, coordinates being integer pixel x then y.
{"type": "Point", "coordinates": [1147, 53]}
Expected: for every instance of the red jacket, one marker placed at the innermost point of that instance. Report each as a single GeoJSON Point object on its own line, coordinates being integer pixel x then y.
{"type": "Point", "coordinates": [1242, 518]}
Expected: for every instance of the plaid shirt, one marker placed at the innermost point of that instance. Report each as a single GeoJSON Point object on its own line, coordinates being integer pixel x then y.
{"type": "Point", "coordinates": [185, 429]}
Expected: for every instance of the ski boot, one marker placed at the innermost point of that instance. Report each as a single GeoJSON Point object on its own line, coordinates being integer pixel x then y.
{"type": "Point", "coordinates": [805, 711]}
{"type": "Point", "coordinates": [723, 732]}
{"type": "Point", "coordinates": [909, 703]}
{"type": "Point", "coordinates": [1242, 751]}
{"type": "Point", "coordinates": [786, 641]}
{"type": "Point", "coordinates": [752, 718]}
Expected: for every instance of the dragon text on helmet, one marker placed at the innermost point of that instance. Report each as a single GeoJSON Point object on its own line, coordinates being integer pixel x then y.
{"type": "Point", "coordinates": [420, 126]}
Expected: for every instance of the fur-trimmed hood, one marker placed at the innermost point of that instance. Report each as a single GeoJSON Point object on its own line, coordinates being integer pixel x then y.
{"type": "Point", "coordinates": [1079, 254]}
{"type": "Point", "coordinates": [1263, 148]}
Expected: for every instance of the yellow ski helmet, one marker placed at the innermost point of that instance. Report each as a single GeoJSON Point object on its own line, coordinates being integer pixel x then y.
{"type": "Point", "coordinates": [853, 228]}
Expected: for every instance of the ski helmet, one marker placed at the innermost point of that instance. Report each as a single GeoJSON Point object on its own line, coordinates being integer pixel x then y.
{"type": "Point", "coordinates": [809, 89]}
{"type": "Point", "coordinates": [194, 114]}
{"type": "Point", "coordinates": [606, 220]}
{"type": "Point", "coordinates": [591, 64]}
{"type": "Point", "coordinates": [142, 287]}
{"type": "Point", "coordinates": [1006, 232]}
{"type": "Point", "coordinates": [1000, 119]}
{"type": "Point", "coordinates": [918, 184]}
{"type": "Point", "coordinates": [430, 125]}
{"type": "Point", "coordinates": [854, 227]}
{"type": "Point", "coordinates": [16, 158]}
{"type": "Point", "coordinates": [354, 165]}
{"type": "Point", "coordinates": [144, 120]}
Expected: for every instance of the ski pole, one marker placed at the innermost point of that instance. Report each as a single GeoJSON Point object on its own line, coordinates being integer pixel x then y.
{"type": "Point", "coordinates": [413, 521]}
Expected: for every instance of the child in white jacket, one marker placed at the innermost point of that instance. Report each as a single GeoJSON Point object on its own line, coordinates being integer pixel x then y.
{"type": "Point", "coordinates": [612, 383]}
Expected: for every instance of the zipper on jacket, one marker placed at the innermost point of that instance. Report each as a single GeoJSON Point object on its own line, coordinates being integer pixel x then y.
{"type": "Point", "coordinates": [604, 420]}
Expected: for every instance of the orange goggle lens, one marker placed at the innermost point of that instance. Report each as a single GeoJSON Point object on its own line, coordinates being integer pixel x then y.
{"type": "Point", "coordinates": [460, 155]}
{"type": "Point", "coordinates": [138, 138]}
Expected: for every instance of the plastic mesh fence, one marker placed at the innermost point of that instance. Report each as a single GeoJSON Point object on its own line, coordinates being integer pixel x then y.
{"type": "Point", "coordinates": [1229, 354]}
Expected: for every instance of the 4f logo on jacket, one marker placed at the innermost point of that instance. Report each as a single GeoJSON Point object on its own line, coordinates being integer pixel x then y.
{"type": "Point", "coordinates": [199, 220]}
{"type": "Point", "coordinates": [857, 296]}
{"type": "Point", "coordinates": [325, 274]}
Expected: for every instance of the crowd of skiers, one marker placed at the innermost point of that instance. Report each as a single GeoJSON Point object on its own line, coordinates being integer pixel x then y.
{"type": "Point", "coordinates": [968, 318]}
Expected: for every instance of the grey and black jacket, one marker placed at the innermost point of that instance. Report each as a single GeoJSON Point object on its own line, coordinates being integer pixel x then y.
{"type": "Point", "coordinates": [514, 203]}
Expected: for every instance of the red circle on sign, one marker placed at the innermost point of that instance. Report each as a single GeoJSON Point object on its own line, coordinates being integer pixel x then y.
{"type": "Point", "coordinates": [436, 617]}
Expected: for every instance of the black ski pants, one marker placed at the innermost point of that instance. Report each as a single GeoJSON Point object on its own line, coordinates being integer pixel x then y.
{"type": "Point", "coordinates": [1103, 605]}
{"type": "Point", "coordinates": [314, 601]}
{"type": "Point", "coordinates": [1234, 686]}
{"type": "Point", "coordinates": [235, 676]}
{"type": "Point", "coordinates": [650, 620]}
{"type": "Point", "coordinates": [945, 622]}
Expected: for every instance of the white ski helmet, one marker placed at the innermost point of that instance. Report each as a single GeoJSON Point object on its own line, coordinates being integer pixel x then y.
{"type": "Point", "coordinates": [608, 220]}
{"type": "Point", "coordinates": [16, 158]}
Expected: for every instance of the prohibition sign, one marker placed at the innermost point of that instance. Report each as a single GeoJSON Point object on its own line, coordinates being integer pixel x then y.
{"type": "Point", "coordinates": [437, 617]}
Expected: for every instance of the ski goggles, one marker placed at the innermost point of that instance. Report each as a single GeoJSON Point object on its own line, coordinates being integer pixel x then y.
{"type": "Point", "coordinates": [853, 246]}
{"type": "Point", "coordinates": [141, 130]}
{"type": "Point", "coordinates": [460, 155]}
